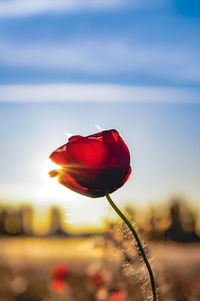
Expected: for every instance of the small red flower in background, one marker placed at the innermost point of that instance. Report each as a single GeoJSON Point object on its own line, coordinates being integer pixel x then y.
{"type": "Point", "coordinates": [58, 285]}
{"type": "Point", "coordinates": [118, 296]}
{"type": "Point", "coordinates": [95, 165]}
{"type": "Point", "coordinates": [59, 277]}
{"type": "Point", "coordinates": [60, 271]}
{"type": "Point", "coordinates": [96, 280]}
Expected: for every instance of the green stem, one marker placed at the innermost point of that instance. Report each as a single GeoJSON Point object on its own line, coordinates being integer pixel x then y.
{"type": "Point", "coordinates": [132, 229]}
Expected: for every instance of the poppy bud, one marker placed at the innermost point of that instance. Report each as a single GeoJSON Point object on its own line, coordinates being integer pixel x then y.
{"type": "Point", "coordinates": [95, 165]}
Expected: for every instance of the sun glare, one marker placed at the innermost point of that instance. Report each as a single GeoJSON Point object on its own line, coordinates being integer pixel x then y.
{"type": "Point", "coordinates": [50, 192]}
{"type": "Point", "coordinates": [47, 166]}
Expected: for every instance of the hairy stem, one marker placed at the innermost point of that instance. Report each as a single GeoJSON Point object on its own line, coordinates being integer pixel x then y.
{"type": "Point", "coordinates": [144, 256]}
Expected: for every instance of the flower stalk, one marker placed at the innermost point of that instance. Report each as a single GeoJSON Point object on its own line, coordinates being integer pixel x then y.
{"type": "Point", "coordinates": [142, 251]}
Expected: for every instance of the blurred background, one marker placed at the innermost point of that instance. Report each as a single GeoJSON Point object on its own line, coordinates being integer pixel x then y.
{"type": "Point", "coordinates": [78, 67]}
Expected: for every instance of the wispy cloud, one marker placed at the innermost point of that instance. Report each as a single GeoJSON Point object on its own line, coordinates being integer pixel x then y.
{"type": "Point", "coordinates": [105, 56]}
{"type": "Point", "coordinates": [97, 92]}
{"type": "Point", "coordinates": [20, 8]}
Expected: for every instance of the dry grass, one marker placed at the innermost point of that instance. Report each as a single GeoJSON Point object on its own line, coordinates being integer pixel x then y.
{"type": "Point", "coordinates": [26, 264]}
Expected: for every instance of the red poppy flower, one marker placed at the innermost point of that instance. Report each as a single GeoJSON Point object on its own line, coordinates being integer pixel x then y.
{"type": "Point", "coordinates": [94, 165]}
{"type": "Point", "coordinates": [96, 280]}
{"type": "Point", "coordinates": [118, 296]}
{"type": "Point", "coordinates": [59, 273]}
{"type": "Point", "coordinates": [58, 285]}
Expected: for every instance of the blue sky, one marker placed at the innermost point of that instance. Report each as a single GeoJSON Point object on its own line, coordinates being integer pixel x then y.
{"type": "Point", "coordinates": [133, 65]}
{"type": "Point", "coordinates": [134, 42]}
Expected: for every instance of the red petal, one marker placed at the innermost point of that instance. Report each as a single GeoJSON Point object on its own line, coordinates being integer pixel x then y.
{"type": "Point", "coordinates": [79, 152]}
{"type": "Point", "coordinates": [58, 156]}
{"type": "Point", "coordinates": [116, 147]}
{"type": "Point", "coordinates": [67, 180]}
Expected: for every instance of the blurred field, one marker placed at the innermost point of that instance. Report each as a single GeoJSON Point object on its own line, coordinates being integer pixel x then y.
{"type": "Point", "coordinates": [26, 266]}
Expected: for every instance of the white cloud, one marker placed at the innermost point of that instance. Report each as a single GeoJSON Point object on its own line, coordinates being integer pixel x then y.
{"type": "Point", "coordinates": [20, 8]}
{"type": "Point", "coordinates": [96, 92]}
{"type": "Point", "coordinates": [105, 56]}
